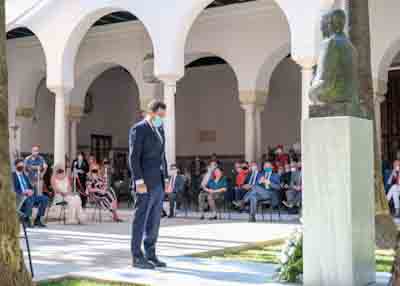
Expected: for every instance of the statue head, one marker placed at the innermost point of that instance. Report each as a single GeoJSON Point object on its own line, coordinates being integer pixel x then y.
{"type": "Point", "coordinates": [338, 21]}
{"type": "Point", "coordinates": [326, 23]}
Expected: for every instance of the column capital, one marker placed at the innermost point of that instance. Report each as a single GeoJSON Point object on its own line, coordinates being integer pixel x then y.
{"type": "Point", "coordinates": [24, 112]}
{"type": "Point", "coordinates": [380, 86]}
{"type": "Point", "coordinates": [145, 101]}
{"type": "Point", "coordinates": [307, 63]}
{"type": "Point", "coordinates": [257, 97]}
{"type": "Point", "coordinates": [169, 79]}
{"type": "Point", "coordinates": [379, 98]}
{"type": "Point", "coordinates": [74, 113]}
{"type": "Point", "coordinates": [249, 107]}
{"type": "Point", "coordinates": [60, 90]}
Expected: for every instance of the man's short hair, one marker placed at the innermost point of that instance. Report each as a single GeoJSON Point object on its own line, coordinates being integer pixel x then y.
{"type": "Point", "coordinates": [156, 105]}
{"type": "Point", "coordinates": [17, 161]}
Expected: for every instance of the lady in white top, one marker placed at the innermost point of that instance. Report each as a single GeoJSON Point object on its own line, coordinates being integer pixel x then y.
{"type": "Point", "coordinates": [62, 187]}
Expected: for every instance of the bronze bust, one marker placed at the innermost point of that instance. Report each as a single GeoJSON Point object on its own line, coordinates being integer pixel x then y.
{"type": "Point", "coordinates": [335, 88]}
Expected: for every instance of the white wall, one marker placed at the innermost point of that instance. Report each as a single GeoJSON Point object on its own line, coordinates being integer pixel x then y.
{"type": "Point", "coordinates": [40, 131]}
{"type": "Point", "coordinates": [282, 114]}
{"type": "Point", "coordinates": [207, 99]}
{"type": "Point", "coordinates": [116, 102]}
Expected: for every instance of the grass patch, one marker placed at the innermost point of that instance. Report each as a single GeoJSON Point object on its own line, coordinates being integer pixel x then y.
{"type": "Point", "coordinates": [83, 282]}
{"type": "Point", "coordinates": [269, 252]}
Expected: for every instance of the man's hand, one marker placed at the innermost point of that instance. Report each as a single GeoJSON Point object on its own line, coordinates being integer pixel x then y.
{"type": "Point", "coordinates": [28, 193]}
{"type": "Point", "coordinates": [246, 187]}
{"type": "Point", "coordinates": [141, 189]}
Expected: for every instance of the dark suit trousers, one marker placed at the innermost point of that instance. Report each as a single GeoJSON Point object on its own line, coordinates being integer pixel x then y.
{"type": "Point", "coordinates": [146, 221]}
{"type": "Point", "coordinates": [40, 202]}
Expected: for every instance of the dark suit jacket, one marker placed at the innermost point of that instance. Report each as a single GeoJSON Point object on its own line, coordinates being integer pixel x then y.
{"type": "Point", "coordinates": [17, 185]}
{"type": "Point", "coordinates": [147, 155]}
{"type": "Point", "coordinates": [179, 184]}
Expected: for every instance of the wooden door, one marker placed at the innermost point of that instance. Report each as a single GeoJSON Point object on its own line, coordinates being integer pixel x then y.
{"type": "Point", "coordinates": [101, 146]}
{"type": "Point", "coordinates": [390, 116]}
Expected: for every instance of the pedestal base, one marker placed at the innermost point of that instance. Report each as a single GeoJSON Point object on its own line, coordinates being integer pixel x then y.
{"type": "Point", "coordinates": [338, 202]}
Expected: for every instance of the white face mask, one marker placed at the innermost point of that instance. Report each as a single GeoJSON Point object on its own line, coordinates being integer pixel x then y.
{"type": "Point", "coordinates": [254, 168]}
{"type": "Point", "coordinates": [294, 169]}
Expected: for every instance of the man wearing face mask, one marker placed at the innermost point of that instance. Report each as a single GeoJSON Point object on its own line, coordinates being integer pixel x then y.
{"type": "Point", "coordinates": [175, 188]}
{"type": "Point", "coordinates": [294, 192]}
{"type": "Point", "coordinates": [266, 188]}
{"type": "Point", "coordinates": [149, 171]}
{"type": "Point", "coordinates": [394, 191]}
{"type": "Point", "coordinates": [23, 188]}
{"type": "Point", "coordinates": [249, 183]}
{"type": "Point", "coordinates": [36, 167]}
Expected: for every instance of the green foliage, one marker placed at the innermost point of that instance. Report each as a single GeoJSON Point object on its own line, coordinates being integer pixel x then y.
{"type": "Point", "coordinates": [291, 260]}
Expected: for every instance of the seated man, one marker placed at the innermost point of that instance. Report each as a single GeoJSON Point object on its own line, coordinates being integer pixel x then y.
{"type": "Point", "coordinates": [23, 187]}
{"type": "Point", "coordinates": [249, 183]}
{"type": "Point", "coordinates": [267, 188]}
{"type": "Point", "coordinates": [175, 187]}
{"type": "Point", "coordinates": [293, 193]}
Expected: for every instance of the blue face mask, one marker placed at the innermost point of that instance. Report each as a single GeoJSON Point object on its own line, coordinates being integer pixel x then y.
{"type": "Point", "coordinates": [268, 170]}
{"type": "Point", "coordinates": [157, 121]}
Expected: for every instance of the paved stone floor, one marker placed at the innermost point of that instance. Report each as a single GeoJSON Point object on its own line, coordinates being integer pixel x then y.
{"type": "Point", "coordinates": [103, 251]}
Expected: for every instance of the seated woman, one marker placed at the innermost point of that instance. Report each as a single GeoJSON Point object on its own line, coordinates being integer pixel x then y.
{"type": "Point", "coordinates": [214, 190]}
{"type": "Point", "coordinates": [62, 187]}
{"type": "Point", "coordinates": [394, 191]}
{"type": "Point", "coordinates": [96, 186]}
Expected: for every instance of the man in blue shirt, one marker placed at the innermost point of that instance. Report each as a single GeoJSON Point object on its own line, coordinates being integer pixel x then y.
{"type": "Point", "coordinates": [35, 167]}
{"type": "Point", "coordinates": [23, 188]}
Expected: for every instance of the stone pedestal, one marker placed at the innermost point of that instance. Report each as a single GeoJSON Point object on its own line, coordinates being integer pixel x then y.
{"type": "Point", "coordinates": [338, 202]}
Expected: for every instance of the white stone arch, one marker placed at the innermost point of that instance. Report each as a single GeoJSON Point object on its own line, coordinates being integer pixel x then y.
{"type": "Point", "coordinates": [380, 82]}
{"type": "Point", "coordinates": [194, 56]}
{"type": "Point", "coordinates": [271, 62]}
{"type": "Point", "coordinates": [27, 61]}
{"type": "Point", "coordinates": [86, 78]}
{"type": "Point", "coordinates": [201, 94]}
{"type": "Point", "coordinates": [303, 20]}
{"type": "Point", "coordinates": [63, 41]}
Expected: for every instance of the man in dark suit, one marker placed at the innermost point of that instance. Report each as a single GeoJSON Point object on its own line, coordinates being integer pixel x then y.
{"type": "Point", "coordinates": [175, 188]}
{"type": "Point", "coordinates": [80, 169]}
{"type": "Point", "coordinates": [149, 171]}
{"type": "Point", "coordinates": [23, 188]}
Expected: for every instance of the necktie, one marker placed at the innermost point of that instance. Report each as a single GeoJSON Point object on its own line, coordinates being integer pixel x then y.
{"type": "Point", "coordinates": [253, 182]}
{"type": "Point", "coordinates": [22, 182]}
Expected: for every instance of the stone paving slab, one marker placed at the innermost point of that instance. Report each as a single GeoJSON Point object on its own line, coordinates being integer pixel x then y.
{"type": "Point", "coordinates": [92, 248]}
{"type": "Point", "coordinates": [102, 251]}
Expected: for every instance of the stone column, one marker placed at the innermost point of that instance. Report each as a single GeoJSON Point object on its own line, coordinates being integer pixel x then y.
{"type": "Point", "coordinates": [67, 137]}
{"type": "Point", "coordinates": [259, 149]}
{"type": "Point", "coordinates": [73, 115]}
{"type": "Point", "coordinates": [23, 114]}
{"type": "Point", "coordinates": [59, 127]}
{"type": "Point", "coordinates": [74, 139]}
{"type": "Point", "coordinates": [252, 102]}
{"type": "Point", "coordinates": [170, 134]}
{"type": "Point", "coordinates": [250, 131]}
{"type": "Point", "coordinates": [307, 74]}
{"type": "Point", "coordinates": [378, 100]}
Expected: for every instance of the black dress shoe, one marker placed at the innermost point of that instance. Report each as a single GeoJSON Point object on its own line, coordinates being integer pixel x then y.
{"type": "Point", "coordinates": [156, 262]}
{"type": "Point", "coordinates": [252, 218]}
{"type": "Point", "coordinates": [39, 223]}
{"type": "Point", "coordinates": [142, 263]}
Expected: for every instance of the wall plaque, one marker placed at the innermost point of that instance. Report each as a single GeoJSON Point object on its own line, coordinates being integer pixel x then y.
{"type": "Point", "coordinates": [207, 136]}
